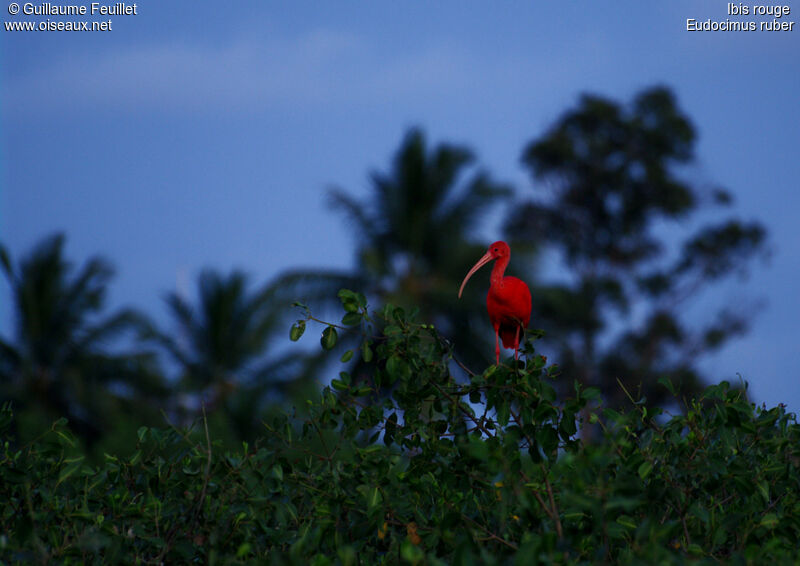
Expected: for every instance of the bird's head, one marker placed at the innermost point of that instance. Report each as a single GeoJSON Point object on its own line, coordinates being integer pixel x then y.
{"type": "Point", "coordinates": [497, 250]}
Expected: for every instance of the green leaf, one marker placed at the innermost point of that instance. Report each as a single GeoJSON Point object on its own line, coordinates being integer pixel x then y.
{"type": "Point", "coordinates": [763, 489]}
{"type": "Point", "coordinates": [770, 521]}
{"type": "Point", "coordinates": [72, 466]}
{"type": "Point", "coordinates": [477, 448]}
{"type": "Point", "coordinates": [700, 512]}
{"type": "Point", "coordinates": [374, 498]}
{"type": "Point", "coordinates": [617, 531]}
{"type": "Point", "coordinates": [644, 469]}
{"type": "Point", "coordinates": [411, 553]}
{"type": "Point", "coordinates": [591, 393]}
{"type": "Point", "coordinates": [366, 351]}
{"type": "Point", "coordinates": [503, 412]}
{"type": "Point", "coordinates": [622, 502]}
{"type": "Point", "coordinates": [329, 338]}
{"type": "Point", "coordinates": [244, 550]}
{"type": "Point", "coordinates": [347, 555]}
{"type": "Point", "coordinates": [391, 329]}
{"type": "Point", "coordinates": [346, 294]}
{"type": "Point", "coordinates": [668, 384]}
{"type": "Point", "coordinates": [351, 319]}
{"type": "Point", "coordinates": [349, 300]}
{"type": "Point", "coordinates": [547, 438]}
{"type": "Point", "coordinates": [627, 521]}
{"type": "Point", "coordinates": [63, 434]}
{"type": "Point", "coordinates": [695, 549]}
{"type": "Point", "coordinates": [346, 357]}
{"type": "Point", "coordinates": [613, 416]}
{"type": "Point", "coordinates": [397, 368]}
{"type": "Point", "coordinates": [568, 425]}
{"type": "Point", "coordinates": [297, 330]}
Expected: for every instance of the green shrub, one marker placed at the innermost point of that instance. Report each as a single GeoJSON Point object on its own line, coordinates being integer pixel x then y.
{"type": "Point", "coordinates": [410, 459]}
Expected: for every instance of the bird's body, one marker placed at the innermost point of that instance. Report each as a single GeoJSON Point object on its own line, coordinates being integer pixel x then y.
{"type": "Point", "coordinates": [508, 300]}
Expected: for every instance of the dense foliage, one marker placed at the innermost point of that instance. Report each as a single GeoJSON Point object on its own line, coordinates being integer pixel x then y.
{"type": "Point", "coordinates": [418, 460]}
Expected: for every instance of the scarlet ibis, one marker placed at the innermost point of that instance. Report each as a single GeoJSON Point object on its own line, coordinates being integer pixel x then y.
{"type": "Point", "coordinates": [508, 301]}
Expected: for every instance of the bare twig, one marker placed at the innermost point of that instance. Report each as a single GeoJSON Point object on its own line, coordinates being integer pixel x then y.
{"type": "Point", "coordinates": [556, 517]}
{"type": "Point", "coordinates": [490, 534]}
{"type": "Point", "coordinates": [462, 366]}
{"type": "Point", "coordinates": [208, 463]}
{"type": "Point", "coordinates": [458, 404]}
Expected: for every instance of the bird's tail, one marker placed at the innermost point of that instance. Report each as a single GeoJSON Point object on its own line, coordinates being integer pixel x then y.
{"type": "Point", "coordinates": [508, 334]}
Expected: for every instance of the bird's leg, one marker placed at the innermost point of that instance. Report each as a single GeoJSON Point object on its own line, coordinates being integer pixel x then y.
{"type": "Point", "coordinates": [497, 344]}
{"type": "Point", "coordinates": [516, 345]}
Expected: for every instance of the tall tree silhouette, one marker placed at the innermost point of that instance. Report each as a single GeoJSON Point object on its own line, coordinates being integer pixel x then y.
{"type": "Point", "coordinates": [221, 347]}
{"type": "Point", "coordinates": [57, 364]}
{"type": "Point", "coordinates": [608, 174]}
{"type": "Point", "coordinates": [414, 240]}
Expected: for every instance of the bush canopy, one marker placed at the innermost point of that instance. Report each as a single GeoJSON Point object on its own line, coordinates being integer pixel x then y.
{"type": "Point", "coordinates": [418, 460]}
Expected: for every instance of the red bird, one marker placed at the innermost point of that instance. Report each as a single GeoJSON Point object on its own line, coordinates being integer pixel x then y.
{"type": "Point", "coordinates": [508, 301]}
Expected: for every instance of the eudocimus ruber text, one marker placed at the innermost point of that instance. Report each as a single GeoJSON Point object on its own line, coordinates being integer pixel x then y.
{"type": "Point", "coordinates": [508, 301]}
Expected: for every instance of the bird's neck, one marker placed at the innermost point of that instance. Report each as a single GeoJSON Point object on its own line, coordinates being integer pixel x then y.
{"type": "Point", "coordinates": [498, 270]}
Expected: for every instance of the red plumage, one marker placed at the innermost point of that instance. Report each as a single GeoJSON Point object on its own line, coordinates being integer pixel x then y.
{"type": "Point", "coordinates": [508, 300]}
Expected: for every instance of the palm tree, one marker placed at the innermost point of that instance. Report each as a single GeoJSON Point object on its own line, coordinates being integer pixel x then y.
{"type": "Point", "coordinates": [56, 365]}
{"type": "Point", "coordinates": [220, 346]}
{"type": "Point", "coordinates": [414, 242]}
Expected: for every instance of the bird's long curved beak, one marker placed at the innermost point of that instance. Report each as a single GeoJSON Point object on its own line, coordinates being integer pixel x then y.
{"type": "Point", "coordinates": [487, 257]}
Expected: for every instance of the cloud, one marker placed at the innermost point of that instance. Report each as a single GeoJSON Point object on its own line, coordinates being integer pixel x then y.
{"type": "Point", "coordinates": [247, 74]}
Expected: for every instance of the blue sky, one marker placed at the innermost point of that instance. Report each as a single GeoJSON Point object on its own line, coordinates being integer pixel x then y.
{"type": "Point", "coordinates": [195, 135]}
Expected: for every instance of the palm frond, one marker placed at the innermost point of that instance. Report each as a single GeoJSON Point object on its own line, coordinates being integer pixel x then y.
{"type": "Point", "coordinates": [108, 329]}
{"type": "Point", "coordinates": [182, 311]}
{"type": "Point", "coordinates": [355, 211]}
{"type": "Point", "coordinates": [5, 261]}
{"type": "Point", "coordinates": [86, 292]}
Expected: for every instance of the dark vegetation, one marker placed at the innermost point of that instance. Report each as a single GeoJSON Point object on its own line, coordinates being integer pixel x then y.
{"type": "Point", "coordinates": [414, 453]}
{"type": "Point", "coordinates": [421, 466]}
